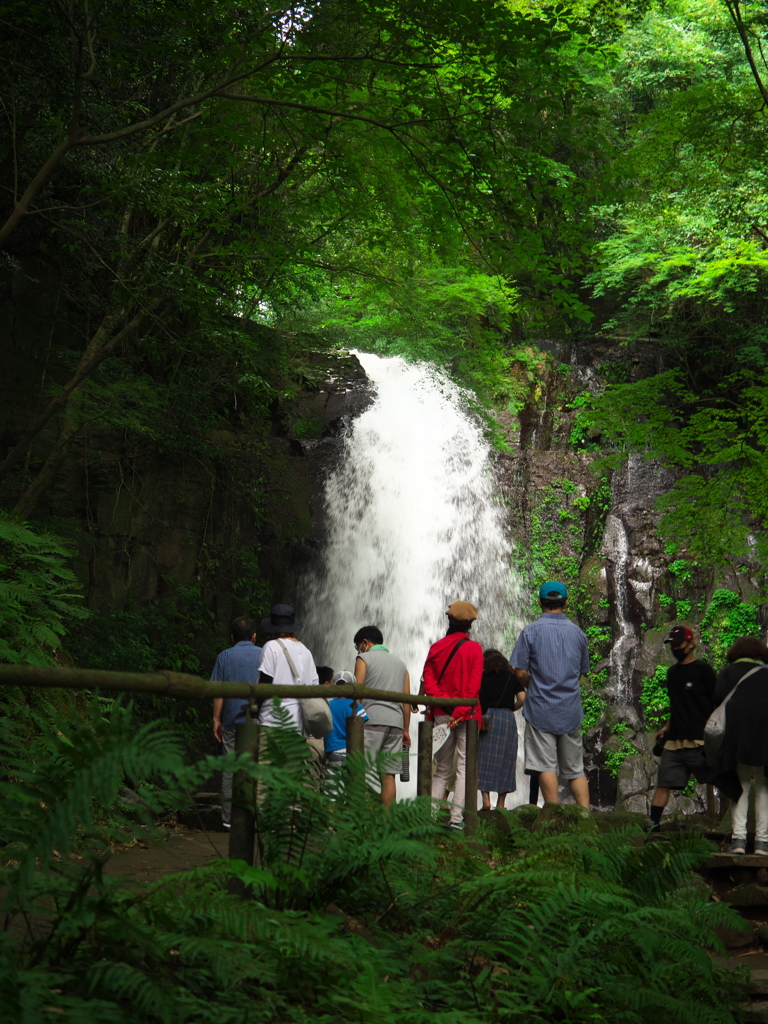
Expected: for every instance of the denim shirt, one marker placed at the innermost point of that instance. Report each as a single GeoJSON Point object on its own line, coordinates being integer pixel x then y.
{"type": "Point", "coordinates": [554, 652]}
{"type": "Point", "coordinates": [238, 664]}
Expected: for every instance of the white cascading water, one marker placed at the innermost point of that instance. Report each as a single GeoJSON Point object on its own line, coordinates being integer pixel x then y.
{"type": "Point", "coordinates": [626, 641]}
{"type": "Point", "coordinates": [413, 523]}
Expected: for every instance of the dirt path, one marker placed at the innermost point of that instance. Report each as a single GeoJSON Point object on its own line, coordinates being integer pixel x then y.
{"type": "Point", "coordinates": [180, 850]}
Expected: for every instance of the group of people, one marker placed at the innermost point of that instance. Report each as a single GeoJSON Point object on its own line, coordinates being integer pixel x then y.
{"type": "Point", "coordinates": [694, 693]}
{"type": "Point", "coordinates": [542, 676]}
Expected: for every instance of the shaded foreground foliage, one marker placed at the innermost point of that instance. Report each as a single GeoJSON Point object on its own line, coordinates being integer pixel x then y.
{"type": "Point", "coordinates": [355, 914]}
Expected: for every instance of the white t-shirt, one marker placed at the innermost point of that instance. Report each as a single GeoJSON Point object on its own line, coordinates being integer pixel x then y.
{"type": "Point", "coordinates": [274, 663]}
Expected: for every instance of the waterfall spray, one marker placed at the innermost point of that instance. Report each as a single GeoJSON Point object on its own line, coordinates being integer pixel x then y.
{"type": "Point", "coordinates": [413, 523]}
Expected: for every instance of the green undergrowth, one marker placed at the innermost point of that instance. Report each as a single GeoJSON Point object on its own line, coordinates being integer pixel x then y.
{"type": "Point", "coordinates": [654, 698]}
{"type": "Point", "coordinates": [39, 595]}
{"type": "Point", "coordinates": [727, 617]}
{"type": "Point", "coordinates": [352, 913]}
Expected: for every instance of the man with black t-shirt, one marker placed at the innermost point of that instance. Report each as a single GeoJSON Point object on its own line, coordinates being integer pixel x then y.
{"type": "Point", "coordinates": [691, 686]}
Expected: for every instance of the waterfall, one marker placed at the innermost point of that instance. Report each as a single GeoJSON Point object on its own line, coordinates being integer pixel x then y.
{"type": "Point", "coordinates": [617, 543]}
{"type": "Point", "coordinates": [413, 522]}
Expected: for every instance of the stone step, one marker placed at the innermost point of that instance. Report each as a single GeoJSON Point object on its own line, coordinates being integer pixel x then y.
{"type": "Point", "coordinates": [749, 894]}
{"type": "Point", "coordinates": [754, 1012]}
{"type": "Point", "coordinates": [720, 861]}
{"type": "Point", "coordinates": [757, 983]}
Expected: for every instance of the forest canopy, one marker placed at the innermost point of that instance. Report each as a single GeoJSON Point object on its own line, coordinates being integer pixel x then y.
{"type": "Point", "coordinates": [201, 194]}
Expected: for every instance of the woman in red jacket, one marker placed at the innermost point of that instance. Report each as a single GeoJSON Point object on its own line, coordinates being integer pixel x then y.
{"type": "Point", "coordinates": [454, 668]}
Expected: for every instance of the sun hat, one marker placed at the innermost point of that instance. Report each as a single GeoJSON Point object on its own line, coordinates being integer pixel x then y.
{"type": "Point", "coordinates": [282, 619]}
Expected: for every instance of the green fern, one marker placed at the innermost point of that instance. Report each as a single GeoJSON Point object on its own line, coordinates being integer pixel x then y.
{"type": "Point", "coordinates": [39, 593]}
{"type": "Point", "coordinates": [356, 912]}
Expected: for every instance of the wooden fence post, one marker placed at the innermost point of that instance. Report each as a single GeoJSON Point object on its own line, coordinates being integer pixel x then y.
{"type": "Point", "coordinates": [241, 833]}
{"type": "Point", "coordinates": [355, 727]}
{"type": "Point", "coordinates": [470, 790]}
{"type": "Point", "coordinates": [424, 759]}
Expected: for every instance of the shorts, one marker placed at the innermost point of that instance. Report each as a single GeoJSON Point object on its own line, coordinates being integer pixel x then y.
{"type": "Point", "coordinates": [548, 752]}
{"type": "Point", "coordinates": [677, 766]}
{"type": "Point", "coordinates": [385, 739]}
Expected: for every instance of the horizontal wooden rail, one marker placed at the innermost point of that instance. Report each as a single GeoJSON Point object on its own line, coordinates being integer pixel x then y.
{"type": "Point", "coordinates": [186, 687]}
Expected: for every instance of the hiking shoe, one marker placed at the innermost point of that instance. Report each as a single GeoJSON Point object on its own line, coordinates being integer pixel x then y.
{"type": "Point", "coordinates": [740, 846]}
{"type": "Point", "coordinates": [761, 848]}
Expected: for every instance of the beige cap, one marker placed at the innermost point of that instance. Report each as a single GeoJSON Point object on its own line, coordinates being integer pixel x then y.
{"type": "Point", "coordinates": [462, 611]}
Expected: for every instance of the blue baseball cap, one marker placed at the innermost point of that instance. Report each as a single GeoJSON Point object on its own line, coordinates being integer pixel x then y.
{"type": "Point", "coordinates": [552, 591]}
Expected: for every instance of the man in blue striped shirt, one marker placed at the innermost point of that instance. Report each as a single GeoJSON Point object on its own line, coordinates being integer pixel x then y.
{"type": "Point", "coordinates": [238, 664]}
{"type": "Point", "coordinates": [552, 652]}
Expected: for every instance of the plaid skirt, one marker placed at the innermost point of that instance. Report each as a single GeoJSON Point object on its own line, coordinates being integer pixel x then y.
{"type": "Point", "coordinates": [497, 752]}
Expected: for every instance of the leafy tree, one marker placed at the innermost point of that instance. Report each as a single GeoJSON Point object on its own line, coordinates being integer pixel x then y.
{"type": "Point", "coordinates": [683, 265]}
{"type": "Point", "coordinates": [182, 160]}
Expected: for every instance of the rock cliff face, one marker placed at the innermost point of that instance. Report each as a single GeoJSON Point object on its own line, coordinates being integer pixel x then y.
{"type": "Point", "coordinates": [598, 531]}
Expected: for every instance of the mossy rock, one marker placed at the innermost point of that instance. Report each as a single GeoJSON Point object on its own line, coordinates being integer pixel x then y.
{"type": "Point", "coordinates": [525, 815]}
{"type": "Point", "coordinates": [607, 821]}
{"type": "Point", "coordinates": [592, 590]}
{"type": "Point", "coordinates": [569, 818]}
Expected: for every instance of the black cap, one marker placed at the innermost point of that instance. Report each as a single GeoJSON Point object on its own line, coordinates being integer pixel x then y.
{"type": "Point", "coordinates": [679, 635]}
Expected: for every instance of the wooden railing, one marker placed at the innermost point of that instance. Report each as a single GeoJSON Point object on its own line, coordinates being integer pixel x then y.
{"type": "Point", "coordinates": [181, 686]}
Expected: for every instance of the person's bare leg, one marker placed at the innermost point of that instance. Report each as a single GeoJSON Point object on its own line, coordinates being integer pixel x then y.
{"type": "Point", "coordinates": [580, 790]}
{"type": "Point", "coordinates": [660, 797]}
{"type": "Point", "coordinates": [548, 787]}
{"type": "Point", "coordinates": [388, 790]}
{"type": "Point", "coordinates": [500, 801]}
{"type": "Point", "coordinates": [486, 799]}
{"type": "Point", "coordinates": [659, 801]}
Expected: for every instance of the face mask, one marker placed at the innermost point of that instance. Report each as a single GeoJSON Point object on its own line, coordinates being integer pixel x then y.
{"type": "Point", "coordinates": [679, 653]}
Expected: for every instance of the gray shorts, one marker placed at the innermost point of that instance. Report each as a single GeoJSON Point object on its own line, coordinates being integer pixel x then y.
{"type": "Point", "coordinates": [677, 766]}
{"type": "Point", "coordinates": [385, 739]}
{"type": "Point", "coordinates": [547, 752]}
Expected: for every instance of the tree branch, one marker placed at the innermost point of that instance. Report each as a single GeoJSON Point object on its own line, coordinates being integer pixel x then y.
{"type": "Point", "coordinates": [741, 28]}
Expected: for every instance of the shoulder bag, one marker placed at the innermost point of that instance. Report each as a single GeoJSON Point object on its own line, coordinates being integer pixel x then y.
{"type": "Point", "coordinates": [440, 735]}
{"type": "Point", "coordinates": [315, 711]}
{"type": "Point", "coordinates": [714, 730]}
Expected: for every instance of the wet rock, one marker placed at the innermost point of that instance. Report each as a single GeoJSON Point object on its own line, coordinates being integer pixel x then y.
{"type": "Point", "coordinates": [637, 776]}
{"type": "Point", "coordinates": [652, 653]}
{"type": "Point", "coordinates": [593, 585]}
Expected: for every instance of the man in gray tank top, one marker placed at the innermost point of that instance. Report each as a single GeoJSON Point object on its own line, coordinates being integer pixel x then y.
{"type": "Point", "coordinates": [386, 730]}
